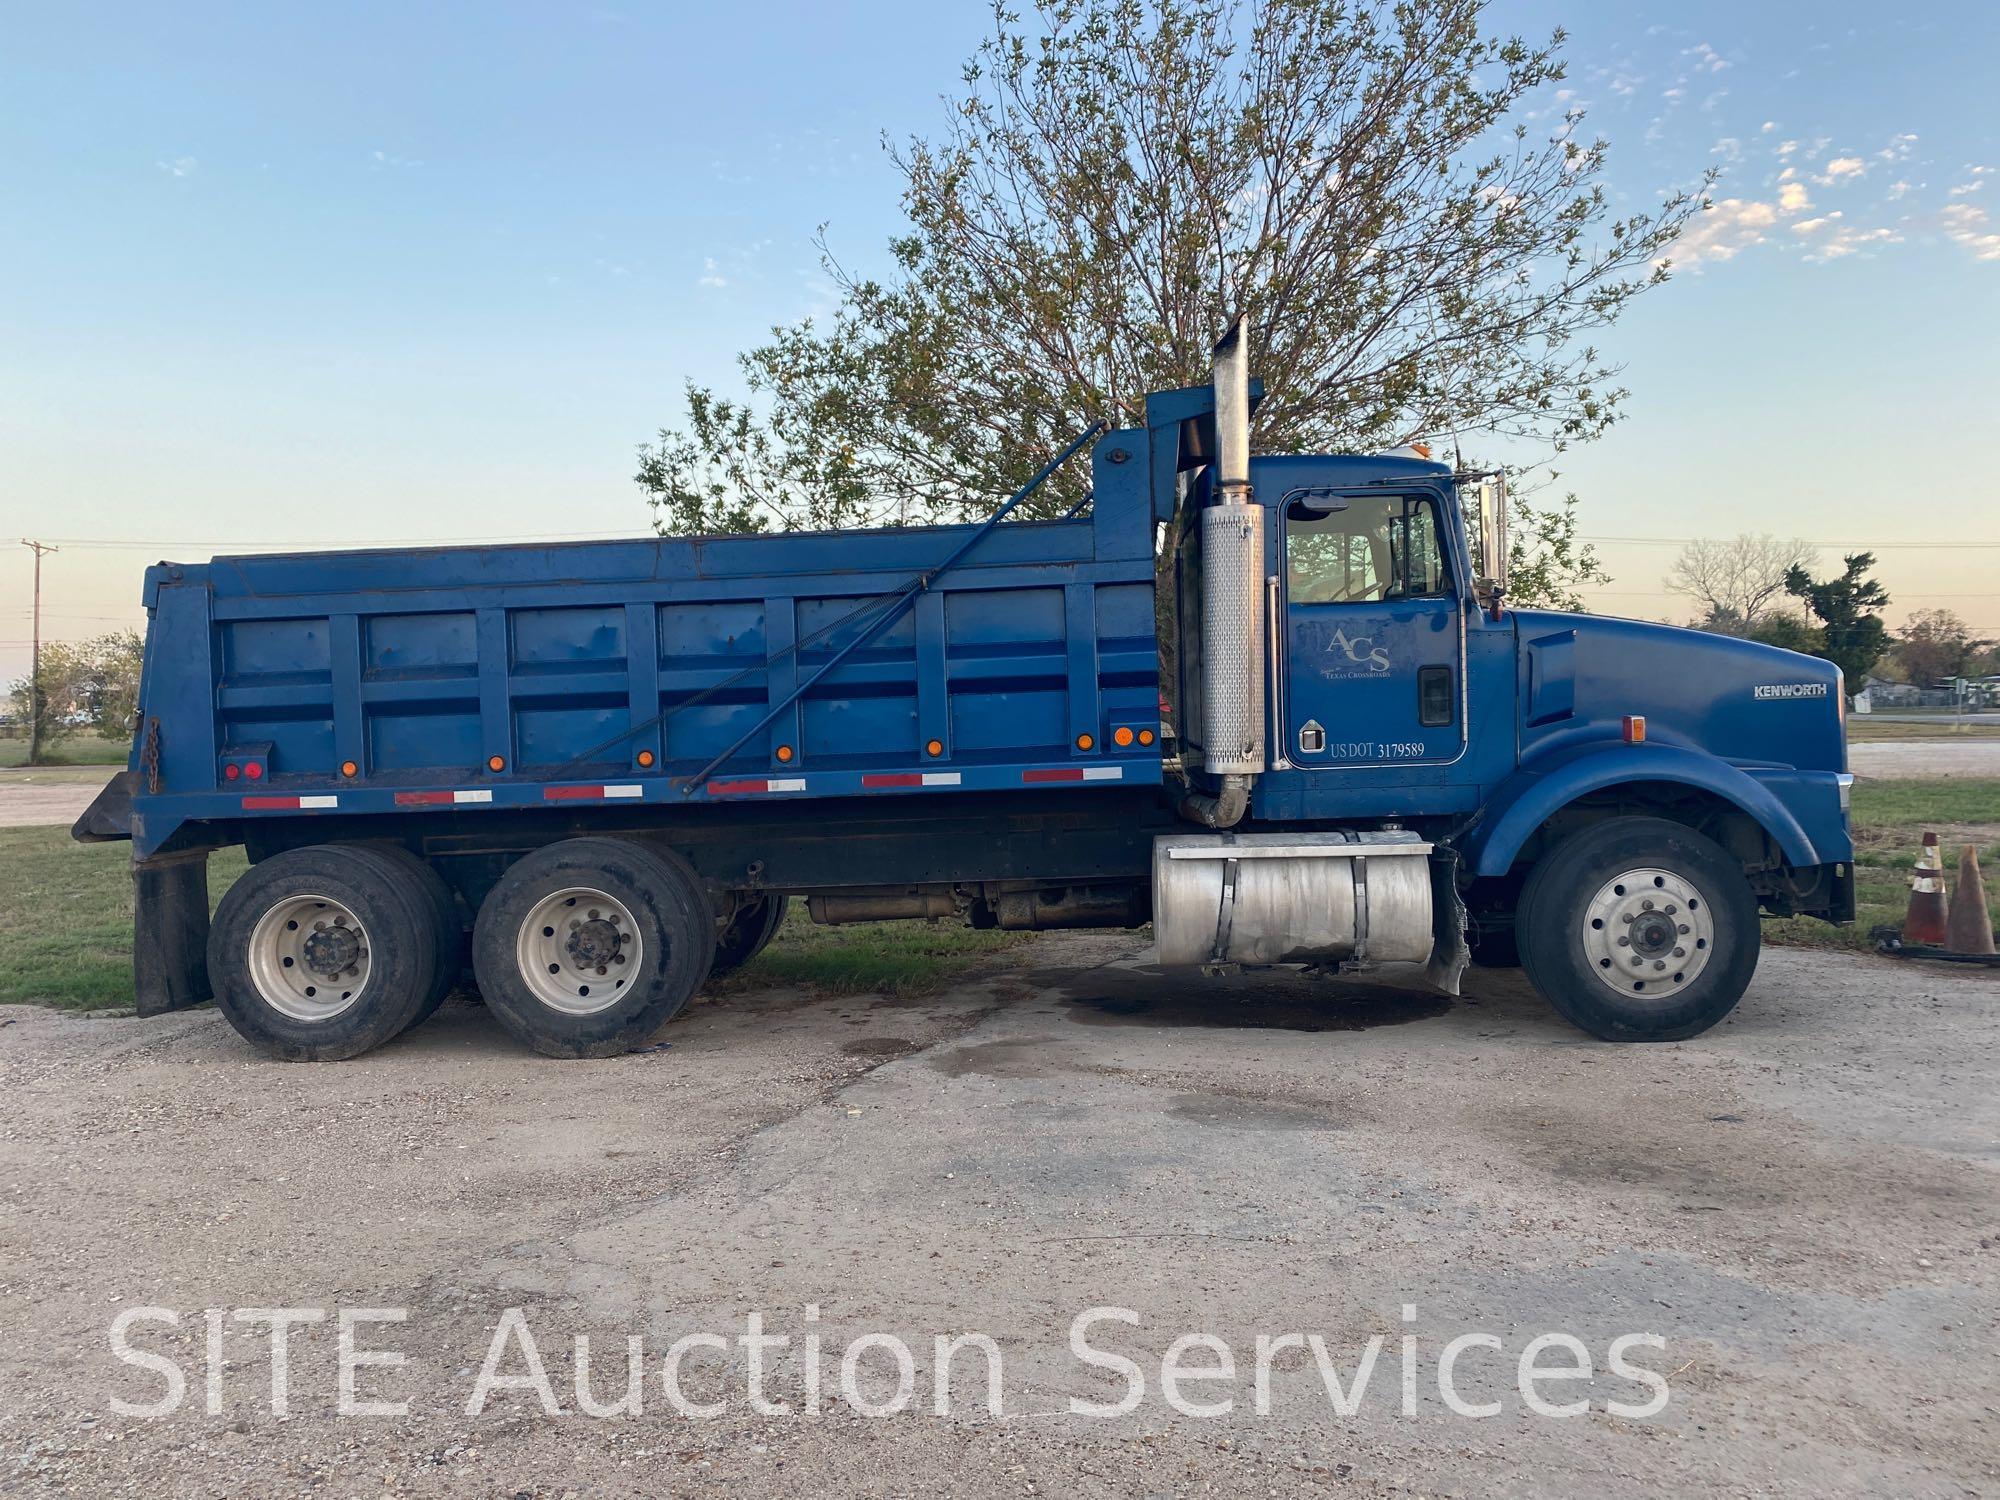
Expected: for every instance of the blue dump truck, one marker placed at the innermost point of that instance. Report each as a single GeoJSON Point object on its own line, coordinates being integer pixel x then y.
{"type": "Point", "coordinates": [606, 767]}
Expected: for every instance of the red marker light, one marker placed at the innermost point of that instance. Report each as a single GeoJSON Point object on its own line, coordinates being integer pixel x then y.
{"type": "Point", "coordinates": [231, 771]}
{"type": "Point", "coordinates": [253, 770]}
{"type": "Point", "coordinates": [1635, 729]}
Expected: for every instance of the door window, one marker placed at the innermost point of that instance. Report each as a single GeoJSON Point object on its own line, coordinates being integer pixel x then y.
{"type": "Point", "coordinates": [1362, 549]}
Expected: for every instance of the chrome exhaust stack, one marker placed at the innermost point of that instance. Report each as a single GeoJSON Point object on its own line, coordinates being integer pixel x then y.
{"type": "Point", "coordinates": [1232, 589]}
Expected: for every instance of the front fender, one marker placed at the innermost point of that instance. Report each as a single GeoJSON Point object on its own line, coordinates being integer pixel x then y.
{"type": "Point", "coordinates": [1536, 792]}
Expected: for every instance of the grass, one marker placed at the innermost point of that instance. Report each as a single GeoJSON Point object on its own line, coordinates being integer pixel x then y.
{"type": "Point", "coordinates": [1863, 731]}
{"type": "Point", "coordinates": [1889, 819]}
{"type": "Point", "coordinates": [66, 918]}
{"type": "Point", "coordinates": [77, 750]}
{"type": "Point", "coordinates": [884, 958]}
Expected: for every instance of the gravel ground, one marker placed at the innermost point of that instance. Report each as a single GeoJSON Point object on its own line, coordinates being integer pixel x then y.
{"type": "Point", "coordinates": [49, 794]}
{"type": "Point", "coordinates": [1891, 759]}
{"type": "Point", "coordinates": [1803, 1204]}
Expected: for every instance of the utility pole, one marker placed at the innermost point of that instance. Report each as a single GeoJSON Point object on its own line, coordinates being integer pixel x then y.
{"type": "Point", "coordinates": [36, 705]}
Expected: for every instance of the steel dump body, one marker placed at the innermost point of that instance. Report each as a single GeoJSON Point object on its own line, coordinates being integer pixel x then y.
{"type": "Point", "coordinates": [619, 671]}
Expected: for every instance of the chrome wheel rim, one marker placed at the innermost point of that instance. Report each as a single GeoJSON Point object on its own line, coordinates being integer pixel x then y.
{"type": "Point", "coordinates": [310, 958]}
{"type": "Point", "coordinates": [579, 950]}
{"type": "Point", "coordinates": [1648, 932]}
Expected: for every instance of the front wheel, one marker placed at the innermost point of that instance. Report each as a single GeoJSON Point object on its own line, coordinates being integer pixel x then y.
{"type": "Point", "coordinates": [1639, 930]}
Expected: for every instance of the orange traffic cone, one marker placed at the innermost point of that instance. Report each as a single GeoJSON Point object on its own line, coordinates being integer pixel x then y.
{"type": "Point", "coordinates": [1969, 929]}
{"type": "Point", "coordinates": [1924, 924]}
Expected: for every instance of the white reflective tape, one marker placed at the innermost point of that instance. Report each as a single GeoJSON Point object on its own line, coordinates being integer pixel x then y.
{"type": "Point", "coordinates": [483, 795]}
{"type": "Point", "coordinates": [624, 791]}
{"type": "Point", "coordinates": [940, 778]}
{"type": "Point", "coordinates": [796, 785]}
{"type": "Point", "coordinates": [319, 802]}
{"type": "Point", "coordinates": [1103, 773]}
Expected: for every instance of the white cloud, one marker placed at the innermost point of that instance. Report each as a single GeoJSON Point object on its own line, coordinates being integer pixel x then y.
{"type": "Point", "coordinates": [1768, 127]}
{"type": "Point", "coordinates": [1846, 239]}
{"type": "Point", "coordinates": [1897, 189]}
{"type": "Point", "coordinates": [1723, 231]}
{"type": "Point", "coordinates": [1842, 167]}
{"type": "Point", "coordinates": [711, 274]}
{"type": "Point", "coordinates": [180, 166]}
{"type": "Point", "coordinates": [1792, 198]}
{"type": "Point", "coordinates": [1969, 225]}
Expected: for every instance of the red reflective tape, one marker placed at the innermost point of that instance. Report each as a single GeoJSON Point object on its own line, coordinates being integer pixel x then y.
{"type": "Point", "coordinates": [894, 778]}
{"type": "Point", "coordinates": [572, 794]}
{"type": "Point", "coordinates": [421, 799]}
{"type": "Point", "coordinates": [732, 788]}
{"type": "Point", "coordinates": [1055, 773]}
{"type": "Point", "coordinates": [270, 804]}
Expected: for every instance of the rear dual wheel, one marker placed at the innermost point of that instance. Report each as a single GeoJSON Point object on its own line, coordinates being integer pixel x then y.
{"type": "Point", "coordinates": [321, 953]}
{"type": "Point", "coordinates": [587, 947]}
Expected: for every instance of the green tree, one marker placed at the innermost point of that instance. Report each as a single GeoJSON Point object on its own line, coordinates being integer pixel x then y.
{"type": "Point", "coordinates": [91, 684]}
{"type": "Point", "coordinates": [1935, 644]}
{"type": "Point", "coordinates": [1780, 628]}
{"type": "Point", "coordinates": [1114, 184]}
{"type": "Point", "coordinates": [1849, 610]}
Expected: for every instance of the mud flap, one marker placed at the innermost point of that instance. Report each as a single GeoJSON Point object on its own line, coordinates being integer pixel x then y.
{"type": "Point", "coordinates": [1449, 953]}
{"type": "Point", "coordinates": [109, 816]}
{"type": "Point", "coordinates": [170, 932]}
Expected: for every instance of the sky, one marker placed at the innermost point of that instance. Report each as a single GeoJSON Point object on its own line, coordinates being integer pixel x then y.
{"type": "Point", "coordinates": [327, 276]}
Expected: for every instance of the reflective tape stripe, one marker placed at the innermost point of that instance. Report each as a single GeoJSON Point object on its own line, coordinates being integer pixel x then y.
{"type": "Point", "coordinates": [625, 791]}
{"type": "Point", "coordinates": [910, 778]}
{"type": "Point", "coordinates": [441, 799]}
{"type": "Point", "coordinates": [1075, 773]}
{"type": "Point", "coordinates": [287, 804]}
{"type": "Point", "coordinates": [319, 802]}
{"type": "Point", "coordinates": [761, 784]}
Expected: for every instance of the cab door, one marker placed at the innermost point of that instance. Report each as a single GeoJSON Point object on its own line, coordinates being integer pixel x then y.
{"type": "Point", "coordinates": [1374, 646]}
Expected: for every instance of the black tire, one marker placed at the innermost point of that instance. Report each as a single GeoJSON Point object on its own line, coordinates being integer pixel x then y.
{"type": "Point", "coordinates": [670, 917]}
{"type": "Point", "coordinates": [748, 933]}
{"type": "Point", "coordinates": [446, 921]}
{"type": "Point", "coordinates": [1568, 954]}
{"type": "Point", "coordinates": [398, 934]}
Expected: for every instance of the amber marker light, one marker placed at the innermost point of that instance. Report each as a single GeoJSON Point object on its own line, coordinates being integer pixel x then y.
{"type": "Point", "coordinates": [935, 747]}
{"type": "Point", "coordinates": [1085, 742]}
{"type": "Point", "coordinates": [784, 754]}
{"type": "Point", "coordinates": [496, 763]}
{"type": "Point", "coordinates": [1122, 736]}
{"type": "Point", "coordinates": [349, 768]}
{"type": "Point", "coordinates": [1145, 736]}
{"type": "Point", "coordinates": [645, 757]}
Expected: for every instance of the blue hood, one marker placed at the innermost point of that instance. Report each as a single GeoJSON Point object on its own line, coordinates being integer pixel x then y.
{"type": "Point", "coordinates": [1750, 704]}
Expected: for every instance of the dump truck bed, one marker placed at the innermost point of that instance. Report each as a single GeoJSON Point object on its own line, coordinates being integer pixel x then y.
{"type": "Point", "coordinates": [632, 671]}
